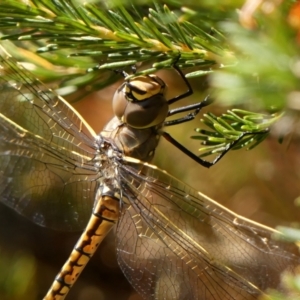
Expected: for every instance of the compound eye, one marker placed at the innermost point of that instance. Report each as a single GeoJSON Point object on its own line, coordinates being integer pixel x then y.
{"type": "Point", "coordinates": [120, 101]}
{"type": "Point", "coordinates": [140, 102]}
{"type": "Point", "coordinates": [144, 87]}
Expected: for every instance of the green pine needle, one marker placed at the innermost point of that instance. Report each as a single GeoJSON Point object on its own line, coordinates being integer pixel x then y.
{"type": "Point", "coordinates": [237, 127]}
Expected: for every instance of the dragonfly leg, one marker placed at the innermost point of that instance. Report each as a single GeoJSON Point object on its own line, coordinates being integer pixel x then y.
{"type": "Point", "coordinates": [190, 116]}
{"type": "Point", "coordinates": [186, 151]}
{"type": "Point", "coordinates": [203, 162]}
{"type": "Point", "coordinates": [105, 215]}
{"type": "Point", "coordinates": [187, 93]}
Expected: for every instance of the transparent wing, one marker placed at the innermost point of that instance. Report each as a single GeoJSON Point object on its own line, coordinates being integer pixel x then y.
{"type": "Point", "coordinates": [47, 152]}
{"type": "Point", "coordinates": [176, 243]}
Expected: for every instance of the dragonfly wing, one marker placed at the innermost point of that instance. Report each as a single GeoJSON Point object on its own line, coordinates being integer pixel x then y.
{"type": "Point", "coordinates": [47, 152]}
{"type": "Point", "coordinates": [175, 243]}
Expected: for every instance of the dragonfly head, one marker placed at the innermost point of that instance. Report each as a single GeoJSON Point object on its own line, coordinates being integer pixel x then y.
{"type": "Point", "coordinates": [140, 101]}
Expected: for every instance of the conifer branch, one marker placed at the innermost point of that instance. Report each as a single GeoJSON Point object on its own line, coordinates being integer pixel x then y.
{"type": "Point", "coordinates": [64, 39]}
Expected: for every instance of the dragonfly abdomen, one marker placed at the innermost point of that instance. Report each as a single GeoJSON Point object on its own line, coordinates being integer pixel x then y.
{"type": "Point", "coordinates": [105, 215]}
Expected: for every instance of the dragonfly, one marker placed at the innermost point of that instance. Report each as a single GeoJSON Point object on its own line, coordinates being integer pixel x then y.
{"type": "Point", "coordinates": [172, 242]}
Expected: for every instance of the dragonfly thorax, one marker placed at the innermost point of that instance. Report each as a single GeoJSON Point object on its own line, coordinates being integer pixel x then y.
{"type": "Point", "coordinates": [130, 141]}
{"type": "Point", "coordinates": [140, 102]}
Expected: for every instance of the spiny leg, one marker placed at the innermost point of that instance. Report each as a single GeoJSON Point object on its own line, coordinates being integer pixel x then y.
{"type": "Point", "coordinates": [105, 215]}
{"type": "Point", "coordinates": [203, 162]}
{"type": "Point", "coordinates": [187, 93]}
{"type": "Point", "coordinates": [190, 116]}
